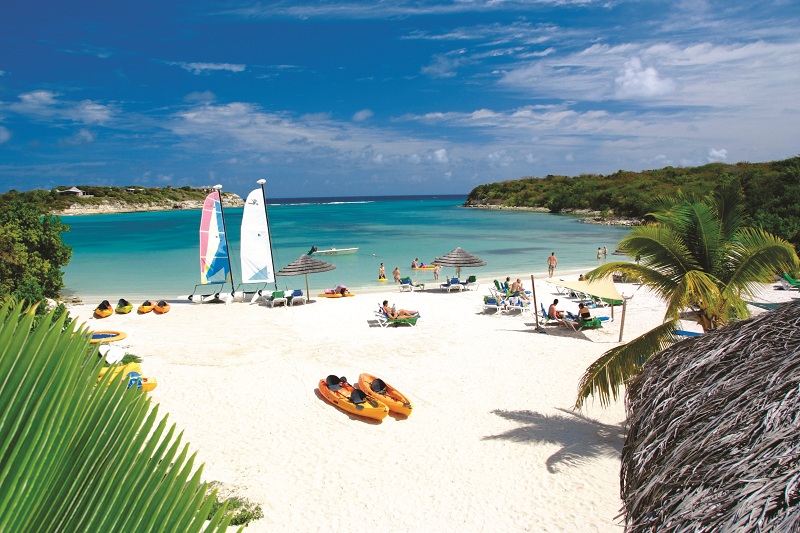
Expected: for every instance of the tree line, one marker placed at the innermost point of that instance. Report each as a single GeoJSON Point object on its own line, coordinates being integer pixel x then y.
{"type": "Point", "coordinates": [771, 192]}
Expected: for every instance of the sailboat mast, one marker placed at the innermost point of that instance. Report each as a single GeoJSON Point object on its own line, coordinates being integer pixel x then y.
{"type": "Point", "coordinates": [218, 188]}
{"type": "Point", "coordinates": [269, 231]}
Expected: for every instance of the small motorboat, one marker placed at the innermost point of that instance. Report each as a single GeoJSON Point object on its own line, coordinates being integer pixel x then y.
{"type": "Point", "coordinates": [340, 393]}
{"type": "Point", "coordinates": [336, 251]}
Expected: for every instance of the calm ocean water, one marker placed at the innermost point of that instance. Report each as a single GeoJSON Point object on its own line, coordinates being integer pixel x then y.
{"type": "Point", "coordinates": [156, 255]}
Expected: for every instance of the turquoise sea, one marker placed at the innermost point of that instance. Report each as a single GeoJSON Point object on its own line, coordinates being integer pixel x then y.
{"type": "Point", "coordinates": [156, 255]}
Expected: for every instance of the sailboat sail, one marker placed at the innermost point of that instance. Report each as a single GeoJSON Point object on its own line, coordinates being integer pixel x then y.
{"type": "Point", "coordinates": [215, 265]}
{"type": "Point", "coordinates": [256, 247]}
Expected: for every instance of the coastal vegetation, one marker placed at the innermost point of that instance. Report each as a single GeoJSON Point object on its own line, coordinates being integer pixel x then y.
{"type": "Point", "coordinates": [31, 252]}
{"type": "Point", "coordinates": [77, 455]}
{"type": "Point", "coordinates": [64, 199]}
{"type": "Point", "coordinates": [770, 192]}
{"type": "Point", "coordinates": [702, 259]}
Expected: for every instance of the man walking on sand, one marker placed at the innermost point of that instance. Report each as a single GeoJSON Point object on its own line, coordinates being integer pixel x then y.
{"type": "Point", "coordinates": [551, 264]}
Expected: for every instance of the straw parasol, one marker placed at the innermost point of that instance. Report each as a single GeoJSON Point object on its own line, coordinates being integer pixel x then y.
{"type": "Point", "coordinates": [459, 258]}
{"type": "Point", "coordinates": [713, 441]}
{"type": "Point", "coordinates": [305, 264]}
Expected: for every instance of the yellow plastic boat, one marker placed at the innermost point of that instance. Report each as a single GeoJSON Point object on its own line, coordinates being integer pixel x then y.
{"type": "Point", "coordinates": [378, 389]}
{"type": "Point", "coordinates": [103, 310]}
{"type": "Point", "coordinates": [349, 399]}
{"type": "Point", "coordinates": [131, 375]}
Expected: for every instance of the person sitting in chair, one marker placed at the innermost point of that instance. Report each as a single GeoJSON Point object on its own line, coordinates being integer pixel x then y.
{"type": "Point", "coordinates": [583, 312]}
{"type": "Point", "coordinates": [554, 311]}
{"type": "Point", "coordinates": [519, 290]}
{"type": "Point", "coordinates": [392, 312]}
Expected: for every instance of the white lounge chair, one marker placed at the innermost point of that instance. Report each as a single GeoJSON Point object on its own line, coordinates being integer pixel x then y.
{"type": "Point", "coordinates": [297, 297]}
{"type": "Point", "coordinates": [277, 298]}
{"type": "Point", "coordinates": [452, 284]}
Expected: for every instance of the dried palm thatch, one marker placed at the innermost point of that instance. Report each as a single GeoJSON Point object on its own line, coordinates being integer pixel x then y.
{"type": "Point", "coordinates": [714, 431]}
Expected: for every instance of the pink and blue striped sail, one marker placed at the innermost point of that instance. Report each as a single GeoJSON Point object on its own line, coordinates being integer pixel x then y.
{"type": "Point", "coordinates": [215, 265]}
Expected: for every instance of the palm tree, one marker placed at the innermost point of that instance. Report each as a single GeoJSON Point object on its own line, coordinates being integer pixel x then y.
{"type": "Point", "coordinates": [78, 455]}
{"type": "Point", "coordinates": [698, 255]}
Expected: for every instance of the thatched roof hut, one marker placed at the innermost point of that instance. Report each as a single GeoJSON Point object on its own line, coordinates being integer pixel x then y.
{"type": "Point", "coordinates": [714, 431]}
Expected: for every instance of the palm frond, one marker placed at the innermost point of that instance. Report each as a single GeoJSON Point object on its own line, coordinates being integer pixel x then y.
{"type": "Point", "coordinates": [755, 256]}
{"type": "Point", "coordinates": [606, 376]}
{"type": "Point", "coordinates": [78, 455]}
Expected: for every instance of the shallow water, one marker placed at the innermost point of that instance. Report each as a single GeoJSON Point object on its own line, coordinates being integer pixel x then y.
{"type": "Point", "coordinates": [156, 254]}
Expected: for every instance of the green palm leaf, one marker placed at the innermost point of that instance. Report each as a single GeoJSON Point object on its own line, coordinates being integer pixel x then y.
{"type": "Point", "coordinates": [78, 455]}
{"type": "Point", "coordinates": [605, 377]}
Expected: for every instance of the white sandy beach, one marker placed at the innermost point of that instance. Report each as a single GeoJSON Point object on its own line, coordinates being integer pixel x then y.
{"type": "Point", "coordinates": [492, 444]}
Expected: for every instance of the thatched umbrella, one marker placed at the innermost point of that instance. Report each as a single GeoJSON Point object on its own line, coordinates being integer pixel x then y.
{"type": "Point", "coordinates": [714, 439]}
{"type": "Point", "coordinates": [459, 258]}
{"type": "Point", "coordinates": [305, 264]}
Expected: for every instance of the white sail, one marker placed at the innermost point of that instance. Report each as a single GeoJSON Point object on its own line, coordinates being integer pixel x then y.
{"type": "Point", "coordinates": [256, 247]}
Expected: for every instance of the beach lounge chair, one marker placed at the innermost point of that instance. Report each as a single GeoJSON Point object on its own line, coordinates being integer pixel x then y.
{"type": "Point", "coordinates": [472, 282]}
{"type": "Point", "coordinates": [515, 303]}
{"type": "Point", "coordinates": [452, 284]}
{"type": "Point", "coordinates": [297, 297]}
{"type": "Point", "coordinates": [406, 284]}
{"type": "Point", "coordinates": [384, 319]}
{"type": "Point", "coordinates": [592, 323]}
{"type": "Point", "coordinates": [277, 298]}
{"type": "Point", "coordinates": [561, 321]}
{"type": "Point", "coordinates": [788, 282]}
{"type": "Point", "coordinates": [493, 303]}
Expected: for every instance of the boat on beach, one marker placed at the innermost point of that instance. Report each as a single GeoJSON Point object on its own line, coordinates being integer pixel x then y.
{"type": "Point", "coordinates": [335, 251]}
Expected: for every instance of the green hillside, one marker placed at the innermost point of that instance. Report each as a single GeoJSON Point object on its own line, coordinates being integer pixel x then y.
{"type": "Point", "coordinates": [771, 191]}
{"type": "Point", "coordinates": [132, 196]}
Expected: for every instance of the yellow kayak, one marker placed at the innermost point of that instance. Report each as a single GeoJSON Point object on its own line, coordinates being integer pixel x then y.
{"type": "Point", "coordinates": [347, 398]}
{"type": "Point", "coordinates": [379, 390]}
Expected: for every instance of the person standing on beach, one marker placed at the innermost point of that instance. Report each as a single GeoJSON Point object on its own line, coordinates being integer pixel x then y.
{"type": "Point", "coordinates": [396, 274]}
{"type": "Point", "coordinates": [382, 272]}
{"type": "Point", "coordinates": [551, 264]}
{"type": "Point", "coordinates": [436, 269]}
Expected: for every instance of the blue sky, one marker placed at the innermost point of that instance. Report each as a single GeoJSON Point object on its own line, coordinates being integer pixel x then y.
{"type": "Point", "coordinates": [389, 97]}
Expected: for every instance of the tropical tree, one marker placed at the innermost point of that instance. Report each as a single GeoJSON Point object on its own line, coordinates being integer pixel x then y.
{"type": "Point", "coordinates": [699, 256]}
{"type": "Point", "coordinates": [78, 455]}
{"type": "Point", "coordinates": [31, 252]}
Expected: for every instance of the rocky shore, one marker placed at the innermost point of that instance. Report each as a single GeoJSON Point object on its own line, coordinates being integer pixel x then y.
{"type": "Point", "coordinates": [589, 216]}
{"type": "Point", "coordinates": [116, 206]}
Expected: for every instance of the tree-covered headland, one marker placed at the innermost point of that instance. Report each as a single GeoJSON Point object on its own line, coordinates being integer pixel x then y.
{"type": "Point", "coordinates": [771, 192]}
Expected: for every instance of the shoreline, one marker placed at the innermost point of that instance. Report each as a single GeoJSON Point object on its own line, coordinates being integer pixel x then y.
{"type": "Point", "coordinates": [587, 216]}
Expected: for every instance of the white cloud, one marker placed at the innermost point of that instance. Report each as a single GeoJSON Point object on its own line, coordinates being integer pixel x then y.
{"type": "Point", "coordinates": [361, 116]}
{"type": "Point", "coordinates": [715, 155]}
{"type": "Point", "coordinates": [444, 65]}
{"type": "Point", "coordinates": [637, 81]}
{"type": "Point", "coordinates": [440, 156]}
{"type": "Point", "coordinates": [5, 135]}
{"type": "Point", "coordinates": [202, 97]}
{"type": "Point", "coordinates": [46, 105]}
{"type": "Point", "coordinates": [205, 68]}
{"type": "Point", "coordinates": [80, 137]}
